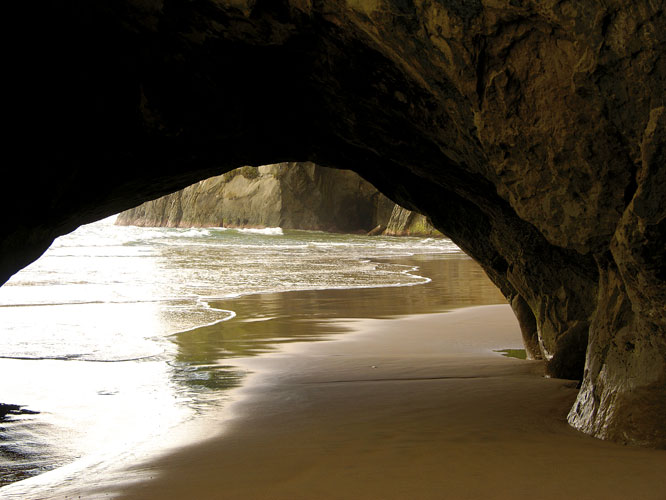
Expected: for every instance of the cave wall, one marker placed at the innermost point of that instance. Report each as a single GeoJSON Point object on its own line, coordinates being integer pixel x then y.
{"type": "Point", "coordinates": [530, 132]}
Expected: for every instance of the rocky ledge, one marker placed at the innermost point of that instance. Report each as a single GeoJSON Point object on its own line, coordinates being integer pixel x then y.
{"type": "Point", "coordinates": [531, 132]}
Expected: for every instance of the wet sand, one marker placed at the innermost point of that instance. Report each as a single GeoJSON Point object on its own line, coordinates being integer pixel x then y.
{"type": "Point", "coordinates": [368, 394]}
{"type": "Point", "coordinates": [416, 407]}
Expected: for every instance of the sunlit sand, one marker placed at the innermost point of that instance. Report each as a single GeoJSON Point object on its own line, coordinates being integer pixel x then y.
{"type": "Point", "coordinates": [368, 394]}
{"type": "Point", "coordinates": [412, 408]}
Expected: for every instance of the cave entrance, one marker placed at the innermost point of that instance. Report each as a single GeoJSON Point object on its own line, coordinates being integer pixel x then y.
{"type": "Point", "coordinates": [116, 322]}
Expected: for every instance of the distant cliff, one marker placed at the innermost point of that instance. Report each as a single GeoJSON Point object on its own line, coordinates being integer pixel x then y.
{"type": "Point", "coordinates": [287, 195]}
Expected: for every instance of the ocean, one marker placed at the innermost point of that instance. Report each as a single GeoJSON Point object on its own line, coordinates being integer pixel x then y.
{"type": "Point", "coordinates": [119, 335]}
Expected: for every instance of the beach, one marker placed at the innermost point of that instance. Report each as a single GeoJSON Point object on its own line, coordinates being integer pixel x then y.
{"type": "Point", "coordinates": [118, 335]}
{"type": "Point", "coordinates": [369, 393]}
{"type": "Point", "coordinates": [412, 407]}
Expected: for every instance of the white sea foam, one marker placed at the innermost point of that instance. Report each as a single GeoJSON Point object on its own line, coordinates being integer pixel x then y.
{"type": "Point", "coordinates": [116, 293]}
{"type": "Point", "coordinates": [194, 232]}
{"type": "Point", "coordinates": [272, 231]}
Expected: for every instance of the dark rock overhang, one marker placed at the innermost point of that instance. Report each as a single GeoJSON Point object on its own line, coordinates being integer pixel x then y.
{"type": "Point", "coordinates": [533, 136]}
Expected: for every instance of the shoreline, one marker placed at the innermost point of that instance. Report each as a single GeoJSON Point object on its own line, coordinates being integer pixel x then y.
{"type": "Point", "coordinates": [411, 407]}
{"type": "Point", "coordinates": [205, 359]}
{"type": "Point", "coordinates": [372, 393]}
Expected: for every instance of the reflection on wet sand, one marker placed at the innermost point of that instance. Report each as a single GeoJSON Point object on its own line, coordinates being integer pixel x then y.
{"type": "Point", "coordinates": [415, 406]}
{"type": "Point", "coordinates": [265, 321]}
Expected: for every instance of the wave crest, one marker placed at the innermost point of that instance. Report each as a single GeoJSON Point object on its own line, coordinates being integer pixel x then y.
{"type": "Point", "coordinates": [272, 231]}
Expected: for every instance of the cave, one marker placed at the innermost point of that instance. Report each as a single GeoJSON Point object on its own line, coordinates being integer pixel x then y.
{"type": "Point", "coordinates": [531, 134]}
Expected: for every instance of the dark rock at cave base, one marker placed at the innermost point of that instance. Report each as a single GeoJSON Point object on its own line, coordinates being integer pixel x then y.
{"type": "Point", "coordinates": [9, 409]}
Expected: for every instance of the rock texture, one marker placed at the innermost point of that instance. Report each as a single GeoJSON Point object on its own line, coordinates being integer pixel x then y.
{"type": "Point", "coordinates": [286, 195]}
{"type": "Point", "coordinates": [404, 222]}
{"type": "Point", "coordinates": [531, 132]}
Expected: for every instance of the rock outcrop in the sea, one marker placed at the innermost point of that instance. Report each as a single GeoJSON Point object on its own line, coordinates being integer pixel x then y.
{"type": "Point", "coordinates": [532, 133]}
{"type": "Point", "coordinates": [404, 222]}
{"type": "Point", "coordinates": [286, 195]}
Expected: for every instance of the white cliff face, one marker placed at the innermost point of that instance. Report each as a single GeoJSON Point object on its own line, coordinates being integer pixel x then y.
{"type": "Point", "coordinates": [287, 195]}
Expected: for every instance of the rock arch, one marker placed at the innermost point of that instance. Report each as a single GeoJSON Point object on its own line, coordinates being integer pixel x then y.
{"type": "Point", "coordinates": [532, 134]}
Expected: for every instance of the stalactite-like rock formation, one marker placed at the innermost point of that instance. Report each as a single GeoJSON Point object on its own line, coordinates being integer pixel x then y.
{"type": "Point", "coordinates": [530, 132]}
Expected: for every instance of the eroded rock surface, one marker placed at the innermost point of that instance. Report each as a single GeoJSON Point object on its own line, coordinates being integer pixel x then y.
{"type": "Point", "coordinates": [286, 195]}
{"type": "Point", "coordinates": [531, 132]}
{"type": "Point", "coordinates": [404, 222]}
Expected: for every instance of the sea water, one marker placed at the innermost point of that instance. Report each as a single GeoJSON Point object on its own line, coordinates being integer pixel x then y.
{"type": "Point", "coordinates": [90, 333]}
